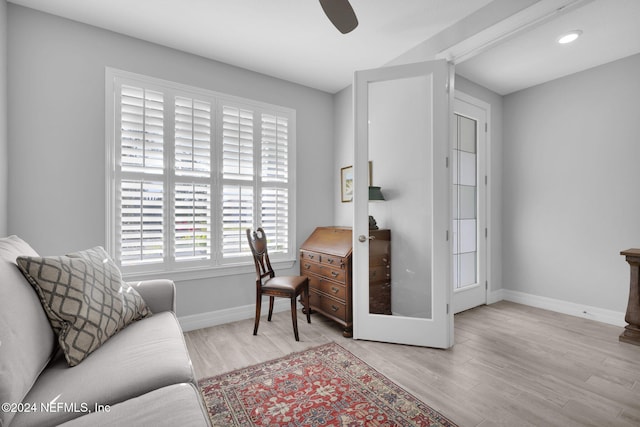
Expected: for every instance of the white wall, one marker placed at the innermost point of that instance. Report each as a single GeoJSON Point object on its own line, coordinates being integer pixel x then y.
{"type": "Point", "coordinates": [570, 189]}
{"type": "Point", "coordinates": [57, 137]}
{"type": "Point", "coordinates": [4, 154]}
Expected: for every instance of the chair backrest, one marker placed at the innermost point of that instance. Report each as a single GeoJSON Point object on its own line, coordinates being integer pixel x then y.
{"type": "Point", "coordinates": [258, 244]}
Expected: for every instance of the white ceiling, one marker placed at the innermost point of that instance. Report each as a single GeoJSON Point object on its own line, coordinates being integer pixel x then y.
{"type": "Point", "coordinates": [611, 30]}
{"type": "Point", "coordinates": [293, 40]}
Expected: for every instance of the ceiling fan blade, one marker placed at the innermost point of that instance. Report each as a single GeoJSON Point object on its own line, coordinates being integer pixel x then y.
{"type": "Point", "coordinates": [341, 14]}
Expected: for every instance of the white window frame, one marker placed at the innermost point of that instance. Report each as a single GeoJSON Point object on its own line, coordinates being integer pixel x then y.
{"type": "Point", "coordinates": [217, 265]}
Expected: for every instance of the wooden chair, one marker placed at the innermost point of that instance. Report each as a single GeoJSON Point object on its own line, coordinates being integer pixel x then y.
{"type": "Point", "coordinates": [274, 286]}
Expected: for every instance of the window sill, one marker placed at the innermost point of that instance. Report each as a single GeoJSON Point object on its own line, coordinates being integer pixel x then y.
{"type": "Point", "coordinates": [204, 273]}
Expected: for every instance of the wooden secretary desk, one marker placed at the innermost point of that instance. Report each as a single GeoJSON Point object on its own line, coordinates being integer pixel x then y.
{"type": "Point", "coordinates": [326, 259]}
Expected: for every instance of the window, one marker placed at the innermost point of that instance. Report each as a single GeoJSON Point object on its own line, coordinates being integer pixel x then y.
{"type": "Point", "coordinates": [189, 170]}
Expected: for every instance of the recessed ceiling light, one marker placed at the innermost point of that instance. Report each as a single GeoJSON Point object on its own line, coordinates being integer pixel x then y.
{"type": "Point", "coordinates": [569, 37]}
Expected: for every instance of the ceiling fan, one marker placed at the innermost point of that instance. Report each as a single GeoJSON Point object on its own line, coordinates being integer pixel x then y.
{"type": "Point", "coordinates": [341, 14]}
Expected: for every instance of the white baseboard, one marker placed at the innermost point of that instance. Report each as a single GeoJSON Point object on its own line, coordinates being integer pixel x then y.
{"type": "Point", "coordinates": [495, 296]}
{"type": "Point", "coordinates": [585, 311]}
{"type": "Point", "coordinates": [219, 317]}
{"type": "Point", "coordinates": [227, 315]}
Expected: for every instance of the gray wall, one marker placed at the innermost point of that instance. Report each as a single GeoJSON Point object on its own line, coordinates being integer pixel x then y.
{"type": "Point", "coordinates": [343, 134]}
{"type": "Point", "coordinates": [57, 137]}
{"type": "Point", "coordinates": [4, 163]}
{"type": "Point", "coordinates": [571, 173]}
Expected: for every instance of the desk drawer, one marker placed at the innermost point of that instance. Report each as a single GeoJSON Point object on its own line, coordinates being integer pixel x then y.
{"type": "Point", "coordinates": [333, 261]}
{"type": "Point", "coordinates": [379, 273]}
{"type": "Point", "coordinates": [378, 260]}
{"type": "Point", "coordinates": [328, 305]}
{"type": "Point", "coordinates": [336, 274]}
{"type": "Point", "coordinates": [328, 287]}
{"type": "Point", "coordinates": [310, 256]}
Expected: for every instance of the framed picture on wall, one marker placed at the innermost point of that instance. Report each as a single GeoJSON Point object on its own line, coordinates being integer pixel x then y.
{"type": "Point", "coordinates": [346, 183]}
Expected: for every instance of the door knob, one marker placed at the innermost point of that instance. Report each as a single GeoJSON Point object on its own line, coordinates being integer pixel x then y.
{"type": "Point", "coordinates": [362, 238]}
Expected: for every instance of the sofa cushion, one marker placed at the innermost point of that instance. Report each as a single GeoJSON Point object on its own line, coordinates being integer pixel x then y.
{"type": "Point", "coordinates": [26, 338]}
{"type": "Point", "coordinates": [85, 298]}
{"type": "Point", "coordinates": [144, 356]}
{"type": "Point", "coordinates": [176, 405]}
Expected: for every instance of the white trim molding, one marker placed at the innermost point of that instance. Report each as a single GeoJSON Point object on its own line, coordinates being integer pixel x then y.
{"type": "Point", "coordinates": [538, 13]}
{"type": "Point", "coordinates": [219, 317]}
{"type": "Point", "coordinates": [579, 310]}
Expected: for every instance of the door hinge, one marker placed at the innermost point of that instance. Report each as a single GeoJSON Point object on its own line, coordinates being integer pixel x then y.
{"type": "Point", "coordinates": [447, 308]}
{"type": "Point", "coordinates": [486, 232]}
{"type": "Point", "coordinates": [447, 235]}
{"type": "Point", "coordinates": [486, 127]}
{"type": "Point", "coordinates": [446, 161]}
{"type": "Point", "coordinates": [486, 285]}
{"type": "Point", "coordinates": [486, 180]}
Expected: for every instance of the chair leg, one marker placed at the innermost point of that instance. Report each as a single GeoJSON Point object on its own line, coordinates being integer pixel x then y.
{"type": "Point", "coordinates": [306, 297]}
{"type": "Point", "coordinates": [294, 317]}
{"type": "Point", "coordinates": [258, 309]}
{"type": "Point", "coordinates": [270, 308]}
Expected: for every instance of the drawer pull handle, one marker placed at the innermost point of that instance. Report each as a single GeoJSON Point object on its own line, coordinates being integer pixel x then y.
{"type": "Point", "coordinates": [307, 266]}
{"type": "Point", "coordinates": [311, 256]}
{"type": "Point", "coordinates": [334, 273]}
{"type": "Point", "coordinates": [334, 289]}
{"type": "Point", "coordinates": [334, 308]}
{"type": "Point", "coordinates": [330, 260]}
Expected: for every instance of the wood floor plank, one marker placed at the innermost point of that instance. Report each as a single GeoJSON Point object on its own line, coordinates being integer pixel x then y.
{"type": "Point", "coordinates": [512, 365]}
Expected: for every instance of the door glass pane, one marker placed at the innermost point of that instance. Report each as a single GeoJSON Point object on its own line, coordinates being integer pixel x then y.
{"type": "Point", "coordinates": [465, 213]}
{"type": "Point", "coordinates": [400, 252]}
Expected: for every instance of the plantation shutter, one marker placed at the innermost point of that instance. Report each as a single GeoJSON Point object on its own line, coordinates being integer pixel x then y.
{"type": "Point", "coordinates": [192, 221]}
{"type": "Point", "coordinates": [275, 176]}
{"type": "Point", "coordinates": [192, 192]}
{"type": "Point", "coordinates": [189, 170]}
{"type": "Point", "coordinates": [237, 143]}
{"type": "Point", "coordinates": [237, 170]}
{"type": "Point", "coordinates": [142, 224]}
{"type": "Point", "coordinates": [275, 218]}
{"type": "Point", "coordinates": [237, 216]}
{"type": "Point", "coordinates": [141, 130]}
{"type": "Point", "coordinates": [141, 156]}
{"type": "Point", "coordinates": [192, 137]}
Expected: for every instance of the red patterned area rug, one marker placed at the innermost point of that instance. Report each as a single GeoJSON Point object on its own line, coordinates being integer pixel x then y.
{"type": "Point", "coordinates": [322, 386]}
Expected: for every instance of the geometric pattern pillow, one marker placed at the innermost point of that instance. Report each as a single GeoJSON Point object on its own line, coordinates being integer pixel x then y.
{"type": "Point", "coordinates": [85, 299]}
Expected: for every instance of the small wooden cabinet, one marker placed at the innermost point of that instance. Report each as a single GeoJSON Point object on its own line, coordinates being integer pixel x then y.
{"type": "Point", "coordinates": [326, 259]}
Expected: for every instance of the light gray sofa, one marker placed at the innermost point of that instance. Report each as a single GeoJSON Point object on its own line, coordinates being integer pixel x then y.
{"type": "Point", "coordinates": [142, 376]}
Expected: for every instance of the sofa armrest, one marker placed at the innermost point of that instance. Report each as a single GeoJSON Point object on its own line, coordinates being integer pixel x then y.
{"type": "Point", "coordinates": [159, 294]}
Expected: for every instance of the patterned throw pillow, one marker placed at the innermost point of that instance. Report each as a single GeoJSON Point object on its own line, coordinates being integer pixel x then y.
{"type": "Point", "coordinates": [85, 299]}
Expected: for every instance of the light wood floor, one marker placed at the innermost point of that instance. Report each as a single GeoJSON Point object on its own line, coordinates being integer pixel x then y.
{"type": "Point", "coordinates": [512, 365]}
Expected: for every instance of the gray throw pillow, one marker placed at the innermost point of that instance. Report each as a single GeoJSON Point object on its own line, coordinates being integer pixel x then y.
{"type": "Point", "coordinates": [85, 299]}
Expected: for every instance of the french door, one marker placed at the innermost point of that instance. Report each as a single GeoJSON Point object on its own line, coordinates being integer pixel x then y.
{"type": "Point", "coordinates": [402, 129]}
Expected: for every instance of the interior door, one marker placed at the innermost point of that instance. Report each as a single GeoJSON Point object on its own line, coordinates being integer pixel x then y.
{"type": "Point", "coordinates": [402, 128]}
{"type": "Point", "coordinates": [469, 187]}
